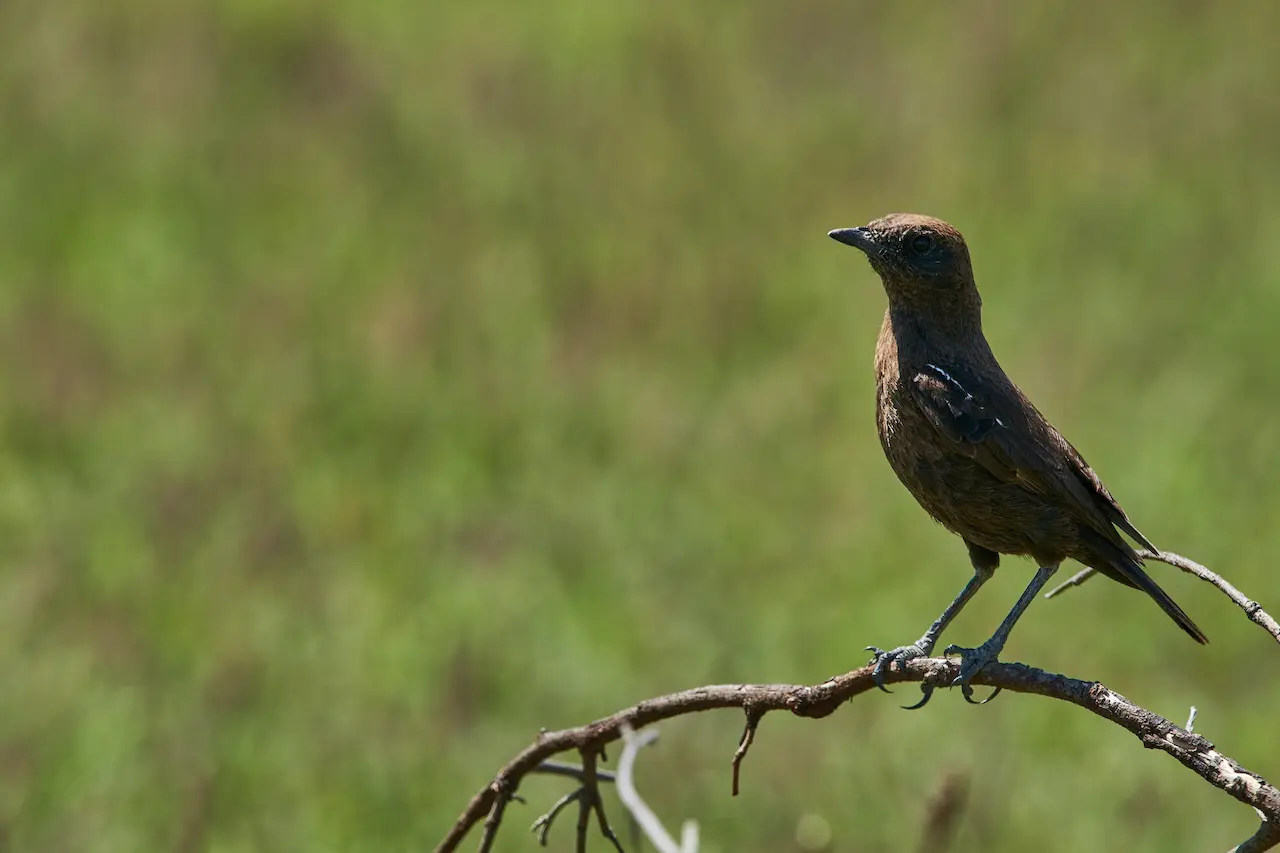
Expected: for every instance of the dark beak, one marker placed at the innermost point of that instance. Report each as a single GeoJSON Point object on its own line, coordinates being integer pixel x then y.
{"type": "Point", "coordinates": [860, 238]}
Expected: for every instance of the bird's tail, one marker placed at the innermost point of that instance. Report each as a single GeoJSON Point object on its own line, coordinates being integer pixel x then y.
{"type": "Point", "coordinates": [1167, 604]}
{"type": "Point", "coordinates": [1126, 566]}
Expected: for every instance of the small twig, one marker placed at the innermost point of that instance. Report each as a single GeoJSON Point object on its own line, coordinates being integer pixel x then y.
{"type": "Point", "coordinates": [542, 825]}
{"type": "Point", "coordinates": [754, 715]}
{"type": "Point", "coordinates": [1191, 720]}
{"type": "Point", "coordinates": [573, 771]}
{"type": "Point", "coordinates": [502, 795]}
{"type": "Point", "coordinates": [590, 801]}
{"type": "Point", "coordinates": [644, 816]}
{"type": "Point", "coordinates": [586, 792]}
{"type": "Point", "coordinates": [1075, 580]}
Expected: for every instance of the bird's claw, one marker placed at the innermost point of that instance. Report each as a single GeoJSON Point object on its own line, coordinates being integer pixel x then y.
{"type": "Point", "coordinates": [926, 688]}
{"type": "Point", "coordinates": [884, 662]}
{"type": "Point", "coordinates": [972, 662]}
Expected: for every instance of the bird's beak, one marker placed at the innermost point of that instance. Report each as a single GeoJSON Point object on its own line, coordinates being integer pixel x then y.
{"type": "Point", "coordinates": [860, 238]}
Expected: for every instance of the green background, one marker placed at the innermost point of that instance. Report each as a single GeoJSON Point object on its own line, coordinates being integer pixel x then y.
{"type": "Point", "coordinates": [382, 381]}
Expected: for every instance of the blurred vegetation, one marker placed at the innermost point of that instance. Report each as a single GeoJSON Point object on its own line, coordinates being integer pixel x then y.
{"type": "Point", "coordinates": [384, 381]}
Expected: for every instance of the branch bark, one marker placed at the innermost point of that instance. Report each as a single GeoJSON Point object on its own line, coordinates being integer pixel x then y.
{"type": "Point", "coordinates": [1155, 732]}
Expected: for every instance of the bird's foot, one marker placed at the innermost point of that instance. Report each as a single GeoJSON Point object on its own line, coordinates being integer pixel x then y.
{"type": "Point", "coordinates": [884, 661]}
{"type": "Point", "coordinates": [971, 663]}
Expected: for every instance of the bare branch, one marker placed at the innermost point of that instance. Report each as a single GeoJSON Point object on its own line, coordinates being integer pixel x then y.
{"type": "Point", "coordinates": [1189, 749]}
{"type": "Point", "coordinates": [573, 771]}
{"type": "Point", "coordinates": [1251, 608]}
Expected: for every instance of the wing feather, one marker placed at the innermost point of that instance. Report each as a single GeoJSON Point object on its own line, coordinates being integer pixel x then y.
{"type": "Point", "coordinates": [1051, 467]}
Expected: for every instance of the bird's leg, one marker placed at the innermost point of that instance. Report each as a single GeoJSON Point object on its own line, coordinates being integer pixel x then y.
{"type": "Point", "coordinates": [922, 647]}
{"type": "Point", "coordinates": [973, 660]}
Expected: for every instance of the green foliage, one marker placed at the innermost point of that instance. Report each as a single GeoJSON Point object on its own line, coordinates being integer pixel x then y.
{"type": "Point", "coordinates": [384, 381]}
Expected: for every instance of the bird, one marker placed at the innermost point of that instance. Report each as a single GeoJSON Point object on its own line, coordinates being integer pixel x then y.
{"type": "Point", "coordinates": [972, 449]}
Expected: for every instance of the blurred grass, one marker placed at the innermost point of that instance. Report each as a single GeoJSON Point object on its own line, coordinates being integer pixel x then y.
{"type": "Point", "coordinates": [382, 382]}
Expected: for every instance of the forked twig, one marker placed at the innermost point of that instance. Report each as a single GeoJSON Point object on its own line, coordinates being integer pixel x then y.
{"type": "Point", "coordinates": [590, 802]}
{"type": "Point", "coordinates": [542, 826]}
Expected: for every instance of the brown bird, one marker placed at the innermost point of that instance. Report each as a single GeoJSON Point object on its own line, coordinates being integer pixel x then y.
{"type": "Point", "coordinates": [970, 446]}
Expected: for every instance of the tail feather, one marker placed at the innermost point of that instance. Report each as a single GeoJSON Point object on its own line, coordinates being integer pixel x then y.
{"type": "Point", "coordinates": [1144, 582]}
{"type": "Point", "coordinates": [1125, 566]}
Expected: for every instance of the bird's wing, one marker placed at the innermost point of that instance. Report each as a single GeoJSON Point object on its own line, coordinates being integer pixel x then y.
{"type": "Point", "coordinates": [1109, 505]}
{"type": "Point", "coordinates": [1049, 466]}
{"type": "Point", "coordinates": [1018, 446]}
{"type": "Point", "coordinates": [958, 415]}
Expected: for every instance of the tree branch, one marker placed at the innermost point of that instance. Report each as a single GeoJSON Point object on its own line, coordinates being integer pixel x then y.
{"type": "Point", "coordinates": [1189, 749]}
{"type": "Point", "coordinates": [1251, 608]}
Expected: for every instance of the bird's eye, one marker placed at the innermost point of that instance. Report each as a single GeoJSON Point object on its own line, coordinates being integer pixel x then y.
{"type": "Point", "coordinates": [921, 243]}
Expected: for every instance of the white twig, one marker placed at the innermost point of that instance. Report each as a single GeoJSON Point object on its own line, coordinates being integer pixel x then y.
{"type": "Point", "coordinates": [644, 816]}
{"type": "Point", "coordinates": [1191, 720]}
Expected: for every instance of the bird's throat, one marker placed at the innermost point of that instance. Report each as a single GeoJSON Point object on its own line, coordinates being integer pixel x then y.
{"type": "Point", "coordinates": [937, 325]}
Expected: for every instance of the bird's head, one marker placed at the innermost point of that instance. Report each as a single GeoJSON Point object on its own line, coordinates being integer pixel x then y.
{"type": "Point", "coordinates": [912, 252]}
